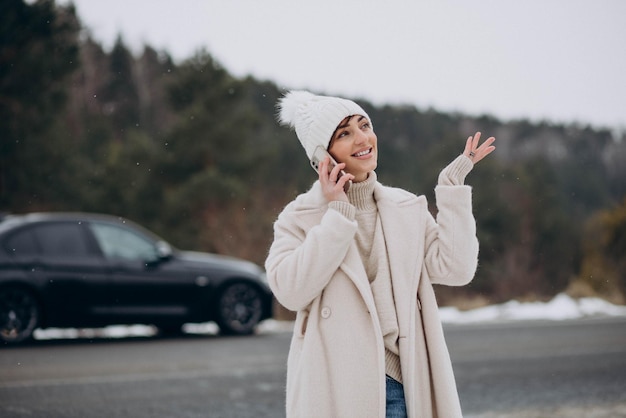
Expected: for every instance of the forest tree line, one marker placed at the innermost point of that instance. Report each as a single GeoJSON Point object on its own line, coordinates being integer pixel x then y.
{"type": "Point", "coordinates": [195, 154]}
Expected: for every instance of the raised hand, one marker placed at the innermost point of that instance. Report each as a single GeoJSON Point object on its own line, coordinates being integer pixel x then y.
{"type": "Point", "coordinates": [475, 152]}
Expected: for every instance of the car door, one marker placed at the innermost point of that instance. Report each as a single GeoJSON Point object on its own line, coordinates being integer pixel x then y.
{"type": "Point", "coordinates": [69, 269]}
{"type": "Point", "coordinates": [144, 288]}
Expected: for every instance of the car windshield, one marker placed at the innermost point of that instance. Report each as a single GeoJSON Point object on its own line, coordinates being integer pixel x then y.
{"type": "Point", "coordinates": [120, 243]}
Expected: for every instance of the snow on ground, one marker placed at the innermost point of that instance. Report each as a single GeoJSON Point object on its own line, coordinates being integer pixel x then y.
{"type": "Point", "coordinates": [562, 307]}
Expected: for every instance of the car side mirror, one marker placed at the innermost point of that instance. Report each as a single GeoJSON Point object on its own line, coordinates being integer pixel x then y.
{"type": "Point", "coordinates": [164, 250]}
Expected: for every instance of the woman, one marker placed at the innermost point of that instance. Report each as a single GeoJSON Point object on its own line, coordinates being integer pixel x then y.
{"type": "Point", "coordinates": [358, 268]}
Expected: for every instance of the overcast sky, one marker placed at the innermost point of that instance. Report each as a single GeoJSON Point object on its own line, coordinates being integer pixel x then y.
{"type": "Point", "coordinates": [555, 60]}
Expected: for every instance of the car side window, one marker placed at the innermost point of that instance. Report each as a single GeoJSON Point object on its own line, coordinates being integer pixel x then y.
{"type": "Point", "coordinates": [22, 243]}
{"type": "Point", "coordinates": [62, 239]}
{"type": "Point", "coordinates": [119, 243]}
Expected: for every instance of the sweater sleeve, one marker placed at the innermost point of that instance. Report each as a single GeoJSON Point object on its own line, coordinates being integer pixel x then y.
{"type": "Point", "coordinates": [451, 246]}
{"type": "Point", "coordinates": [346, 209]}
{"type": "Point", "coordinates": [301, 263]}
{"type": "Point", "coordinates": [454, 174]}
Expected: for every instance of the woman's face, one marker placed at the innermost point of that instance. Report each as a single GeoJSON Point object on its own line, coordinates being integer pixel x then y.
{"type": "Point", "coordinates": [355, 144]}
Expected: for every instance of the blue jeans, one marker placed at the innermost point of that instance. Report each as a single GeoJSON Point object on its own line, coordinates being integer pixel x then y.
{"type": "Point", "coordinates": [396, 406]}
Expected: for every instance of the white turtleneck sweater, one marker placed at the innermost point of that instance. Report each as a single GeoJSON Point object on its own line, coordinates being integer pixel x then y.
{"type": "Point", "coordinates": [370, 242]}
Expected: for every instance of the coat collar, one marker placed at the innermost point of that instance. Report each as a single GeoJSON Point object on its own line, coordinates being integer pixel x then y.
{"type": "Point", "coordinates": [401, 213]}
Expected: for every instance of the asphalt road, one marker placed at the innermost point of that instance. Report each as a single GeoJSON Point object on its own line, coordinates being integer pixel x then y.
{"type": "Point", "coordinates": [541, 369]}
{"type": "Point", "coordinates": [514, 370]}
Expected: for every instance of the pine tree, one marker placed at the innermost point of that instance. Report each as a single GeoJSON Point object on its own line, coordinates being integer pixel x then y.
{"type": "Point", "coordinates": [38, 52]}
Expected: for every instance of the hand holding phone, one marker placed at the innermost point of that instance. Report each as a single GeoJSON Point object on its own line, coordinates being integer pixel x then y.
{"type": "Point", "coordinates": [319, 154]}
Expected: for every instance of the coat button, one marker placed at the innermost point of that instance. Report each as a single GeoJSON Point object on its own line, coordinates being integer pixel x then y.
{"type": "Point", "coordinates": [325, 312]}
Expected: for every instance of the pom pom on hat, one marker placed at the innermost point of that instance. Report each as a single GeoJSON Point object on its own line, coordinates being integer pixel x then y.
{"type": "Point", "coordinates": [315, 118]}
{"type": "Point", "coordinates": [290, 104]}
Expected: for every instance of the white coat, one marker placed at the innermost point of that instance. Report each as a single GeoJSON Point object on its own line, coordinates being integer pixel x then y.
{"type": "Point", "coordinates": [336, 364]}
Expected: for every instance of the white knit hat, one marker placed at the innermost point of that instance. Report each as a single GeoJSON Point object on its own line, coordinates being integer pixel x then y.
{"type": "Point", "coordinates": [315, 118]}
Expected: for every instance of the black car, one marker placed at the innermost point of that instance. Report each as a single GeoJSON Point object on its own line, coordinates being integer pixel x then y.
{"type": "Point", "coordinates": [91, 270]}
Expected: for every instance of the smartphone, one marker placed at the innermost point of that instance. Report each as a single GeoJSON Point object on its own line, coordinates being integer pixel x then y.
{"type": "Point", "coordinates": [319, 154]}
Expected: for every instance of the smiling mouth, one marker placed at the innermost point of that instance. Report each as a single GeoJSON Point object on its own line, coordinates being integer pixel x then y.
{"type": "Point", "coordinates": [363, 153]}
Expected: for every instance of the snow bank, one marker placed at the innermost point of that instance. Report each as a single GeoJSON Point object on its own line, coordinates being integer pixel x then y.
{"type": "Point", "coordinates": [562, 307]}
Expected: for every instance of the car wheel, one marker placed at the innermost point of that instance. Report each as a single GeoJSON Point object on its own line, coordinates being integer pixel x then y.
{"type": "Point", "coordinates": [19, 315]}
{"type": "Point", "coordinates": [239, 309]}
